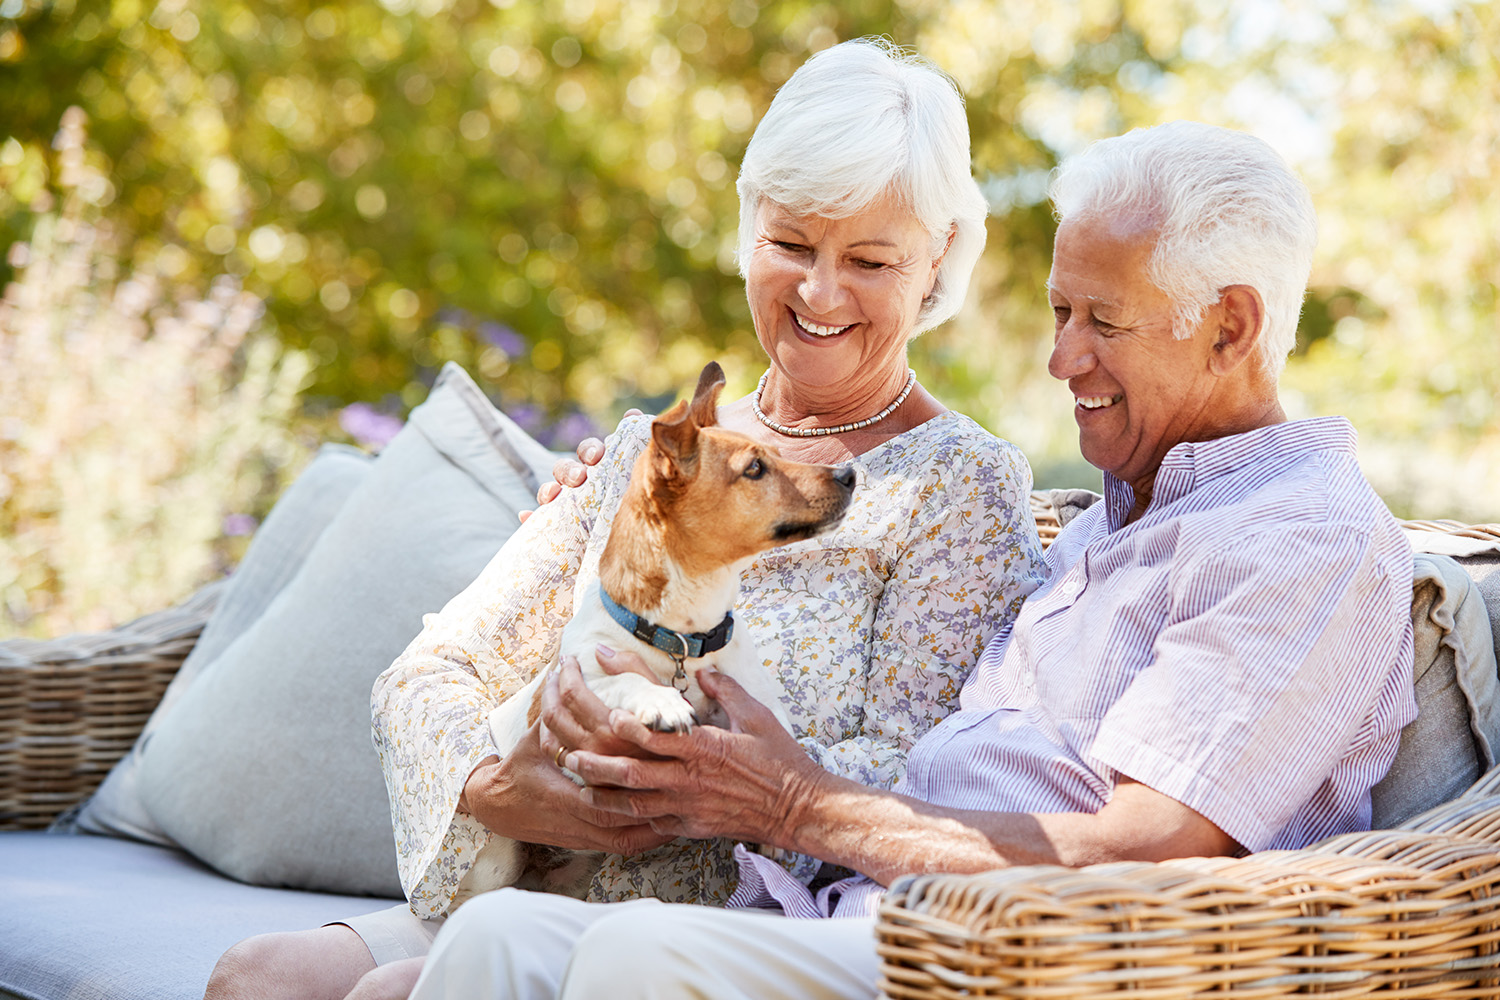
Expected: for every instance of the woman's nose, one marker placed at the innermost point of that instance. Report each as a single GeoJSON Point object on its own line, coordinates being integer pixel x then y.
{"type": "Point", "coordinates": [1072, 353]}
{"type": "Point", "coordinates": [822, 288]}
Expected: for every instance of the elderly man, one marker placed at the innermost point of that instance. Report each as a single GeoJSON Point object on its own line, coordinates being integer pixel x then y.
{"type": "Point", "coordinates": [1220, 660]}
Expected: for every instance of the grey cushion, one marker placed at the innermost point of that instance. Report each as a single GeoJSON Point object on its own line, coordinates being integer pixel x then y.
{"type": "Point", "coordinates": [273, 558]}
{"type": "Point", "coordinates": [265, 770]}
{"type": "Point", "coordinates": [1456, 734]}
{"type": "Point", "coordinates": [1070, 503]}
{"type": "Point", "coordinates": [1489, 589]}
{"type": "Point", "coordinates": [100, 918]}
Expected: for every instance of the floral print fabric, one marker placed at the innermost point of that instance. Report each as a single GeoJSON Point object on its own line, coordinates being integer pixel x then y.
{"type": "Point", "coordinates": [872, 628]}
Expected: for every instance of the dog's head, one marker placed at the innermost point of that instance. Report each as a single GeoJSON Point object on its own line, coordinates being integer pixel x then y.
{"type": "Point", "coordinates": [723, 497]}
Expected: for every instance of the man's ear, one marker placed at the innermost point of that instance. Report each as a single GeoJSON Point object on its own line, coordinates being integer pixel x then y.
{"type": "Point", "coordinates": [705, 405]}
{"type": "Point", "coordinates": [675, 437]}
{"type": "Point", "coordinates": [1242, 320]}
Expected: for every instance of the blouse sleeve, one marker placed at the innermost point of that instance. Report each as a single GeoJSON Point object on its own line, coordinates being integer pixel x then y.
{"type": "Point", "coordinates": [971, 557]}
{"type": "Point", "coordinates": [430, 707]}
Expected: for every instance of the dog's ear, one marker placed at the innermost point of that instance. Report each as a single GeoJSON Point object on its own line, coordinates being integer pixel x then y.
{"type": "Point", "coordinates": [705, 405]}
{"type": "Point", "coordinates": [676, 431]}
{"type": "Point", "coordinates": [676, 438]}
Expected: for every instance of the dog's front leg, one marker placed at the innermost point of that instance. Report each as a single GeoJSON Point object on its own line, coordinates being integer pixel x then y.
{"type": "Point", "coordinates": [659, 706]}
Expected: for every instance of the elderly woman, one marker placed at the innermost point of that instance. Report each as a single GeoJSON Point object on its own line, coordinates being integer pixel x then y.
{"type": "Point", "coordinates": [860, 226]}
{"type": "Point", "coordinates": [1219, 661]}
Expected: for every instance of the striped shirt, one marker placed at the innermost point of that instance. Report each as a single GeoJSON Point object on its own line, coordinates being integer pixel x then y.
{"type": "Point", "coordinates": [1245, 647]}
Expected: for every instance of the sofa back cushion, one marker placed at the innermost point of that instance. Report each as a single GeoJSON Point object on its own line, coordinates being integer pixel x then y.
{"type": "Point", "coordinates": [266, 770]}
{"type": "Point", "coordinates": [1456, 734]}
{"type": "Point", "coordinates": [275, 555]}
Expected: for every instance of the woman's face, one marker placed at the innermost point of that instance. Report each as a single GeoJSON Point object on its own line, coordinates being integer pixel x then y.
{"type": "Point", "coordinates": [834, 300]}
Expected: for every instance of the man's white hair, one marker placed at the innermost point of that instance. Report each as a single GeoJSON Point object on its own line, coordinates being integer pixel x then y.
{"type": "Point", "coordinates": [858, 121]}
{"type": "Point", "coordinates": [1226, 210]}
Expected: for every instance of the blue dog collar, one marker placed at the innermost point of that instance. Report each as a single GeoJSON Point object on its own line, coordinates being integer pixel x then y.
{"type": "Point", "coordinates": [678, 645]}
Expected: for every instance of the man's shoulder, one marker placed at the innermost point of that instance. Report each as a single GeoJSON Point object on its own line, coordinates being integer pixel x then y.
{"type": "Point", "coordinates": [1315, 506]}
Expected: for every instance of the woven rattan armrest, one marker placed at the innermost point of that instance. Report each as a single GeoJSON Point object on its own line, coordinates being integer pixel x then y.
{"type": "Point", "coordinates": [1413, 912]}
{"type": "Point", "coordinates": [71, 707]}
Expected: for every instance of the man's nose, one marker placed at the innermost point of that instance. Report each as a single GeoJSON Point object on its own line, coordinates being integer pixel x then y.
{"type": "Point", "coordinates": [1072, 352]}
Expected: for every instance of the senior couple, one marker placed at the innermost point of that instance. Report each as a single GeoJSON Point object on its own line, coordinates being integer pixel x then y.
{"type": "Point", "coordinates": [1215, 658]}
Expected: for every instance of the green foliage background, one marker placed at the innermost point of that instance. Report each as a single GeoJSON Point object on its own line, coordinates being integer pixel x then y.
{"type": "Point", "coordinates": [544, 192]}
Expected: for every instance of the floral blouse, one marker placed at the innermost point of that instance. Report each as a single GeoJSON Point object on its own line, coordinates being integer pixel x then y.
{"type": "Point", "coordinates": [872, 627]}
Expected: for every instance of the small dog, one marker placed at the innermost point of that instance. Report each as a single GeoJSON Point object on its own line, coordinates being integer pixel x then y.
{"type": "Point", "coordinates": [701, 504]}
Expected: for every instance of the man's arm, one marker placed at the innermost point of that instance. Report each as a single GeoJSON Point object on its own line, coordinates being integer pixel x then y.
{"type": "Point", "coordinates": [753, 782]}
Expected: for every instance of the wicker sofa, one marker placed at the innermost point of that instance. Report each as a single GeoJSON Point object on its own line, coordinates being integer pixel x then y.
{"type": "Point", "coordinates": [1410, 912]}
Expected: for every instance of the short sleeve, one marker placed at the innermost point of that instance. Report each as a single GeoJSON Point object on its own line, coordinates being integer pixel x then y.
{"type": "Point", "coordinates": [1262, 680]}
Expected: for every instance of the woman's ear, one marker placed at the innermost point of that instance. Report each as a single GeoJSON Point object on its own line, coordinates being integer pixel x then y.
{"type": "Point", "coordinates": [1242, 320]}
{"type": "Point", "coordinates": [937, 262]}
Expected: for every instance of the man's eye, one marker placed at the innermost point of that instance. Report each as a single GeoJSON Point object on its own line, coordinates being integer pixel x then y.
{"type": "Point", "coordinates": [790, 247]}
{"type": "Point", "coordinates": [1060, 314]}
{"type": "Point", "coordinates": [754, 470]}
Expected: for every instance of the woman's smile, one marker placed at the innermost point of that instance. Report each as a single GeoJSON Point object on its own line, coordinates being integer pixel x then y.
{"type": "Point", "coordinates": [805, 325]}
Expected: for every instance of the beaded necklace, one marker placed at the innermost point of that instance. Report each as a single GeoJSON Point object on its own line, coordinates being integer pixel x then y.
{"type": "Point", "coordinates": [911, 380]}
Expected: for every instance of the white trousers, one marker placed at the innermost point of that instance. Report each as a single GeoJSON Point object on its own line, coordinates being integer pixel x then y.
{"type": "Point", "coordinates": [515, 945]}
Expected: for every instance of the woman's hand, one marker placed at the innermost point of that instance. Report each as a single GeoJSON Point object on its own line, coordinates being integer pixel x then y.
{"type": "Point", "coordinates": [526, 796]}
{"type": "Point", "coordinates": [573, 717]}
{"type": "Point", "coordinates": [571, 472]}
{"type": "Point", "coordinates": [748, 782]}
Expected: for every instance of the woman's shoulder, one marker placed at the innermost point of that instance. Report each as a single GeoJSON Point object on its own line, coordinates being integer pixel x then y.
{"type": "Point", "coordinates": [628, 440]}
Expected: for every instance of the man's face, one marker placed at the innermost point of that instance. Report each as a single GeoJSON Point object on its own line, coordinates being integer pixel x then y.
{"type": "Point", "coordinates": [1138, 391]}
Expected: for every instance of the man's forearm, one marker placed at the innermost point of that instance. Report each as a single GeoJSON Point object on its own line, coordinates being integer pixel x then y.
{"type": "Point", "coordinates": [884, 834]}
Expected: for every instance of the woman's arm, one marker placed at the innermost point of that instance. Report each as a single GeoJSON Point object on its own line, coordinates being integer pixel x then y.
{"type": "Point", "coordinates": [430, 708]}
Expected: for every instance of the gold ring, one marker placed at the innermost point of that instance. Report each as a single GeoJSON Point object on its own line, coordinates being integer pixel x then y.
{"type": "Point", "coordinates": [558, 757]}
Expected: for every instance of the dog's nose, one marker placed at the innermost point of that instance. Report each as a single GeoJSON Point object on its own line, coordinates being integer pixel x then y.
{"type": "Point", "coordinates": [844, 476]}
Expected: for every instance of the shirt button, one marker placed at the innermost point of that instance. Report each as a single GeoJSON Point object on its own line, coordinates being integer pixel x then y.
{"type": "Point", "coordinates": [1069, 589]}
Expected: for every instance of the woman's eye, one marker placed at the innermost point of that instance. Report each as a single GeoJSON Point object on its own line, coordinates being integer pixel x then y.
{"type": "Point", "coordinates": [869, 265]}
{"type": "Point", "coordinates": [789, 247]}
{"type": "Point", "coordinates": [754, 470]}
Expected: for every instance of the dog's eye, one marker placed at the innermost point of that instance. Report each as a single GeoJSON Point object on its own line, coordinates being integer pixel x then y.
{"type": "Point", "coordinates": [755, 469]}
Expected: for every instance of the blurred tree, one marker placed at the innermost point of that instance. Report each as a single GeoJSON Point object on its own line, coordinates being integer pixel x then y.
{"type": "Point", "coordinates": [144, 422]}
{"type": "Point", "coordinates": [544, 192]}
{"type": "Point", "coordinates": [410, 183]}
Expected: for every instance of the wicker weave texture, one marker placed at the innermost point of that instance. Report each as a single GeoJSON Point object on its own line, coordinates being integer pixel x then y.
{"type": "Point", "coordinates": [1403, 913]}
{"type": "Point", "coordinates": [70, 708]}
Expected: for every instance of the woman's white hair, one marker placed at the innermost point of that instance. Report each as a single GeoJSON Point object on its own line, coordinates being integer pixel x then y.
{"type": "Point", "coordinates": [855, 122]}
{"type": "Point", "coordinates": [1226, 208]}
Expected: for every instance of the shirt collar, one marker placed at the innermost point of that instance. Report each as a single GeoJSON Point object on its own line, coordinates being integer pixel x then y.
{"type": "Point", "coordinates": [1193, 464]}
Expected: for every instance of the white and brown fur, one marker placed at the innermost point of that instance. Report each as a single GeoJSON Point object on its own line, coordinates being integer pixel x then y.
{"type": "Point", "coordinates": [702, 503]}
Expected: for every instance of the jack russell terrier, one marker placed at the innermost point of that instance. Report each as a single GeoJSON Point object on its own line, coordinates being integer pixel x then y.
{"type": "Point", "coordinates": [702, 503]}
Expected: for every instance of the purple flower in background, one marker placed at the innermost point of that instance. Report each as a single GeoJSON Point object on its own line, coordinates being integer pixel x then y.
{"type": "Point", "coordinates": [239, 525]}
{"type": "Point", "coordinates": [572, 429]}
{"type": "Point", "coordinates": [529, 418]}
{"type": "Point", "coordinates": [369, 426]}
{"type": "Point", "coordinates": [503, 337]}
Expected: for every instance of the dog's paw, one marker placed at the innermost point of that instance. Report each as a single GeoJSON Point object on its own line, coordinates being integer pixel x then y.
{"type": "Point", "coordinates": [661, 708]}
